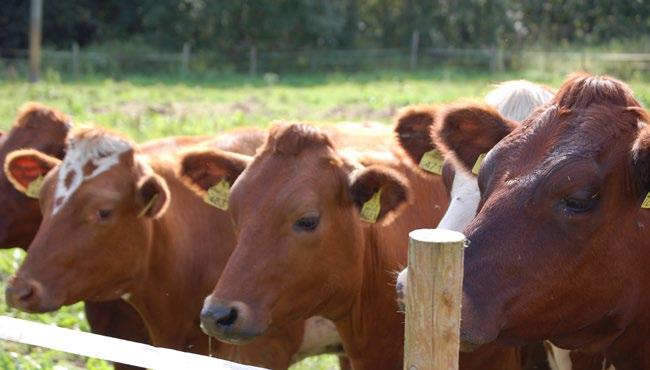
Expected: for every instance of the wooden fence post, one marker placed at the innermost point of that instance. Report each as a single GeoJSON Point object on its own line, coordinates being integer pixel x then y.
{"type": "Point", "coordinates": [185, 59]}
{"type": "Point", "coordinates": [75, 60]}
{"type": "Point", "coordinates": [415, 44]}
{"type": "Point", "coordinates": [433, 298]}
{"type": "Point", "coordinates": [35, 27]}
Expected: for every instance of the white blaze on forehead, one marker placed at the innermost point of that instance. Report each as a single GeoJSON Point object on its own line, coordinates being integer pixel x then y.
{"type": "Point", "coordinates": [99, 152]}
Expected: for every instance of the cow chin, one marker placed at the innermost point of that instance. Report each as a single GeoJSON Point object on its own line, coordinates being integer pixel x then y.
{"type": "Point", "coordinates": [477, 328]}
{"type": "Point", "coordinates": [470, 342]}
{"type": "Point", "coordinates": [231, 322]}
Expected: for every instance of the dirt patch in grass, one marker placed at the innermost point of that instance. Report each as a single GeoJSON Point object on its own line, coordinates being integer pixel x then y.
{"type": "Point", "coordinates": [248, 106]}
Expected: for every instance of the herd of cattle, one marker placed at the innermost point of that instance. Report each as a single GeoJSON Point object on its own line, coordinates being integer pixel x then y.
{"type": "Point", "coordinates": [296, 234]}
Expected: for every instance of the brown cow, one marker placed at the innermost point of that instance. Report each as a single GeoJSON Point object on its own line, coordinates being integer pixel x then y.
{"type": "Point", "coordinates": [550, 252]}
{"type": "Point", "coordinates": [303, 249]}
{"type": "Point", "coordinates": [118, 223]}
{"type": "Point", "coordinates": [44, 129]}
{"type": "Point", "coordinates": [461, 148]}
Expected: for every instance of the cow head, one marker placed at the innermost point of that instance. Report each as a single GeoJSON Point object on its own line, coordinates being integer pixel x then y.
{"type": "Point", "coordinates": [40, 128]}
{"type": "Point", "coordinates": [556, 249]}
{"type": "Point", "coordinates": [97, 209]}
{"type": "Point", "coordinates": [296, 211]}
{"type": "Point", "coordinates": [462, 135]}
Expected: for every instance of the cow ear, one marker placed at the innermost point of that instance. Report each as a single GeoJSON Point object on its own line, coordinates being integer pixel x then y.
{"type": "Point", "coordinates": [413, 127]}
{"type": "Point", "coordinates": [153, 195]}
{"type": "Point", "coordinates": [378, 188]}
{"type": "Point", "coordinates": [203, 168]}
{"type": "Point", "coordinates": [467, 130]}
{"type": "Point", "coordinates": [641, 147]}
{"type": "Point", "coordinates": [26, 166]}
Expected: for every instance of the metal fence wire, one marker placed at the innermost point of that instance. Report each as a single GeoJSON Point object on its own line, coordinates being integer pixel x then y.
{"type": "Point", "coordinates": [77, 62]}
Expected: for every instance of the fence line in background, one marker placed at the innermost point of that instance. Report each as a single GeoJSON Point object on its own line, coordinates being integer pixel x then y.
{"type": "Point", "coordinates": [255, 61]}
{"type": "Point", "coordinates": [107, 348]}
{"type": "Point", "coordinates": [433, 298]}
{"type": "Point", "coordinates": [35, 29]}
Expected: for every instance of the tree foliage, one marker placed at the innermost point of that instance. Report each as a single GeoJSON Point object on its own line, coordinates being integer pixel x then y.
{"type": "Point", "coordinates": [229, 26]}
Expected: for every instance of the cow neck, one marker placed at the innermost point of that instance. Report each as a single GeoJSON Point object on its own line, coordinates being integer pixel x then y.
{"type": "Point", "coordinates": [183, 266]}
{"type": "Point", "coordinates": [373, 320]}
{"type": "Point", "coordinates": [631, 349]}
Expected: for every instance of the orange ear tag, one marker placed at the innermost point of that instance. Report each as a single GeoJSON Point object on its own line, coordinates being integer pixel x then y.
{"type": "Point", "coordinates": [478, 164]}
{"type": "Point", "coordinates": [371, 208]}
{"type": "Point", "coordinates": [34, 187]}
{"type": "Point", "coordinates": [432, 161]}
{"type": "Point", "coordinates": [217, 195]}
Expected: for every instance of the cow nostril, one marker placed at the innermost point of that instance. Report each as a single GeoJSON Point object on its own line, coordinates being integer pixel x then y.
{"type": "Point", "coordinates": [25, 293]}
{"type": "Point", "coordinates": [228, 319]}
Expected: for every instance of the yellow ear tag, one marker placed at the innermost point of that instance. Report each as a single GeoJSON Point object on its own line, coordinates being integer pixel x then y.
{"type": "Point", "coordinates": [646, 201]}
{"type": "Point", "coordinates": [432, 161]}
{"type": "Point", "coordinates": [218, 195]}
{"type": "Point", "coordinates": [148, 206]}
{"type": "Point", "coordinates": [371, 208]}
{"type": "Point", "coordinates": [478, 164]}
{"type": "Point", "coordinates": [34, 188]}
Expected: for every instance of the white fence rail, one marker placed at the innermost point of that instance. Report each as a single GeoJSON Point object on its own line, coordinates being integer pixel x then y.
{"type": "Point", "coordinates": [106, 348]}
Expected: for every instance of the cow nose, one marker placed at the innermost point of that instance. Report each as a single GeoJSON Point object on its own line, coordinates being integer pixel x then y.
{"type": "Point", "coordinates": [216, 320]}
{"type": "Point", "coordinates": [20, 293]}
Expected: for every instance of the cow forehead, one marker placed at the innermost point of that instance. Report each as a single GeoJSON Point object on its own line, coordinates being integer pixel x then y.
{"type": "Point", "coordinates": [556, 134]}
{"type": "Point", "coordinates": [84, 160]}
{"type": "Point", "coordinates": [285, 181]}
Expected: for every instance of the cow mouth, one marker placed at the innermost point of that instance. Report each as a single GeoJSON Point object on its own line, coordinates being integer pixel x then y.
{"type": "Point", "coordinates": [468, 346]}
{"type": "Point", "coordinates": [230, 322]}
{"type": "Point", "coordinates": [233, 337]}
{"type": "Point", "coordinates": [471, 340]}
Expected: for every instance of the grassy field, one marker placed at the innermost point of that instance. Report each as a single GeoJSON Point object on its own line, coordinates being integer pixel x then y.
{"type": "Point", "coordinates": [146, 108]}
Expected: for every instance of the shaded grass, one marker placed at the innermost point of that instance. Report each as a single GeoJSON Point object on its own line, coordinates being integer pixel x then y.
{"type": "Point", "coordinates": [145, 108]}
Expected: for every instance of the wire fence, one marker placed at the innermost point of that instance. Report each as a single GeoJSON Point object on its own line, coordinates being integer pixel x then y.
{"type": "Point", "coordinates": [76, 62]}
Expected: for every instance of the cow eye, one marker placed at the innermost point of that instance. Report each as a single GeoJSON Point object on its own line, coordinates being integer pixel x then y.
{"type": "Point", "coordinates": [308, 224]}
{"type": "Point", "coordinates": [104, 214]}
{"type": "Point", "coordinates": [580, 202]}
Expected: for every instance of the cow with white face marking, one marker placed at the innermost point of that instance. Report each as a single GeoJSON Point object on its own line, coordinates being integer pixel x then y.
{"type": "Point", "coordinates": [119, 223]}
{"type": "Point", "coordinates": [416, 131]}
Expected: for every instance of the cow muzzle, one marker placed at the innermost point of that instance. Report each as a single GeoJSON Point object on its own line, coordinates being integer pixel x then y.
{"type": "Point", "coordinates": [27, 295]}
{"type": "Point", "coordinates": [230, 321]}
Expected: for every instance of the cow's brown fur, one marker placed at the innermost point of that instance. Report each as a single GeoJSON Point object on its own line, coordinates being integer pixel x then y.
{"type": "Point", "coordinates": [413, 128]}
{"type": "Point", "coordinates": [165, 261]}
{"type": "Point", "coordinates": [463, 131]}
{"type": "Point", "coordinates": [344, 272]}
{"type": "Point", "coordinates": [36, 127]}
{"type": "Point", "coordinates": [586, 145]}
{"type": "Point", "coordinates": [43, 128]}
{"type": "Point", "coordinates": [461, 148]}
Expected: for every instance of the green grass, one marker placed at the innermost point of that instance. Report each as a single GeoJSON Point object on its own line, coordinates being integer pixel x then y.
{"type": "Point", "coordinates": [146, 108]}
